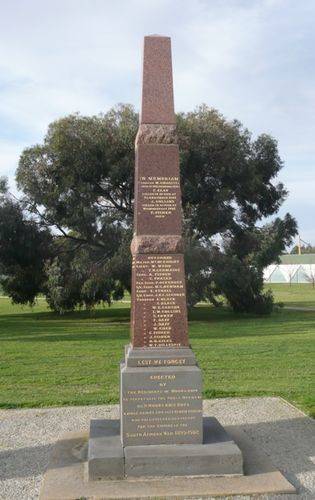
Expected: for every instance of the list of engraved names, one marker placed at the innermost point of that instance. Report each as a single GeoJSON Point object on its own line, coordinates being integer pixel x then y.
{"type": "Point", "coordinates": [160, 293]}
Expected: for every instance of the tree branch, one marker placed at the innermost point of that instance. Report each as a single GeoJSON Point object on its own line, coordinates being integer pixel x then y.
{"type": "Point", "coordinates": [48, 223]}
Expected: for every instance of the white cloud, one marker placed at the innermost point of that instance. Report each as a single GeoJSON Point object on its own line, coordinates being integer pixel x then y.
{"type": "Point", "coordinates": [253, 60]}
{"type": "Point", "coordinates": [9, 155]}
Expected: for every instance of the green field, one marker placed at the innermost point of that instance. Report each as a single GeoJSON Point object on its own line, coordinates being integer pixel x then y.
{"type": "Point", "coordinates": [49, 360]}
{"type": "Point", "coordinates": [296, 294]}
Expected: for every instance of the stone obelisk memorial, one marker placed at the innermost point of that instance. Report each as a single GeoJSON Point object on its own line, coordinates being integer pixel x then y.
{"type": "Point", "coordinates": [160, 382]}
{"type": "Point", "coordinates": [161, 439]}
{"type": "Point", "coordinates": [162, 431]}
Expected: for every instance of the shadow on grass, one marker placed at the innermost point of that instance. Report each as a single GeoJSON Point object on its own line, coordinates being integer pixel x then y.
{"type": "Point", "coordinates": [205, 322]}
{"type": "Point", "coordinates": [70, 337]}
{"type": "Point", "coordinates": [122, 314]}
{"type": "Point", "coordinates": [115, 314]}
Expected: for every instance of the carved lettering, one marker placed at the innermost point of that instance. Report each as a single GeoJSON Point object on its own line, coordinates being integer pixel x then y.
{"type": "Point", "coordinates": [160, 305]}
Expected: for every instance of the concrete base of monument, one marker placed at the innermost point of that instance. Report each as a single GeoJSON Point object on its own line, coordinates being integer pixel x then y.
{"type": "Point", "coordinates": [67, 476]}
{"type": "Point", "coordinates": [217, 455]}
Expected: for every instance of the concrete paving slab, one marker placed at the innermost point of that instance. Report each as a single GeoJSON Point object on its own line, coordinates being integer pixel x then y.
{"type": "Point", "coordinates": [284, 433]}
{"type": "Point", "coordinates": [66, 481]}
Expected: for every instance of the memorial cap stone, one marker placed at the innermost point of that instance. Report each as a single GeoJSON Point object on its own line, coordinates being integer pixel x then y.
{"type": "Point", "coordinates": [157, 81]}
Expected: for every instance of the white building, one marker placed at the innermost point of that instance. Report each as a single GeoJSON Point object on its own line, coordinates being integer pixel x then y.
{"type": "Point", "coordinates": [292, 269]}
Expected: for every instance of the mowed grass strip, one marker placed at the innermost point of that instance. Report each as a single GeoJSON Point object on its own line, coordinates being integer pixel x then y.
{"type": "Point", "coordinates": [52, 360]}
{"type": "Point", "coordinates": [294, 295]}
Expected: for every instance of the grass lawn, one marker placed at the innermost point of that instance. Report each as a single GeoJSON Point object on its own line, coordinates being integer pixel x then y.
{"type": "Point", "coordinates": [51, 360]}
{"type": "Point", "coordinates": [298, 294]}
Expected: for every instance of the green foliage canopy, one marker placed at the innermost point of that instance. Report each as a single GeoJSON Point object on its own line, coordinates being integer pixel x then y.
{"type": "Point", "coordinates": [78, 188]}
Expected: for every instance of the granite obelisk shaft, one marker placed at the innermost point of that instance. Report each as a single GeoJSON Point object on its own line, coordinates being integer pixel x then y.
{"type": "Point", "coordinates": [159, 317]}
{"type": "Point", "coordinates": [157, 81]}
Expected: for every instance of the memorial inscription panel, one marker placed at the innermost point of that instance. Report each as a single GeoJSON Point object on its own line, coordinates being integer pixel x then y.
{"type": "Point", "coordinates": [157, 192]}
{"type": "Point", "coordinates": [159, 318]}
{"type": "Point", "coordinates": [167, 407]}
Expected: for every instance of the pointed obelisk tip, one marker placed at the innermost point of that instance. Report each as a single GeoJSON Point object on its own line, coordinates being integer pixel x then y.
{"type": "Point", "coordinates": [157, 84]}
{"type": "Point", "coordinates": [156, 35]}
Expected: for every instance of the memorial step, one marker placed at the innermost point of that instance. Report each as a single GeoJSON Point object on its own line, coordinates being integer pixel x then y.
{"type": "Point", "coordinates": [108, 459]}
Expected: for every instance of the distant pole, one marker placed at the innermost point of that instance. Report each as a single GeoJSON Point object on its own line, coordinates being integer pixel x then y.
{"type": "Point", "coordinates": [299, 246]}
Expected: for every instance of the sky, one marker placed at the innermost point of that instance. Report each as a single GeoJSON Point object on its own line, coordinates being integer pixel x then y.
{"type": "Point", "coordinates": [251, 59]}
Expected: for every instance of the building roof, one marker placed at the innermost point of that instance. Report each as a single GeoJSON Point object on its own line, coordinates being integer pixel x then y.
{"type": "Point", "coordinates": [305, 258]}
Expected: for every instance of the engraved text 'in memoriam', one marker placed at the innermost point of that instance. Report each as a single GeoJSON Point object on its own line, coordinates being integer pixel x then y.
{"type": "Point", "coordinates": [159, 195]}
